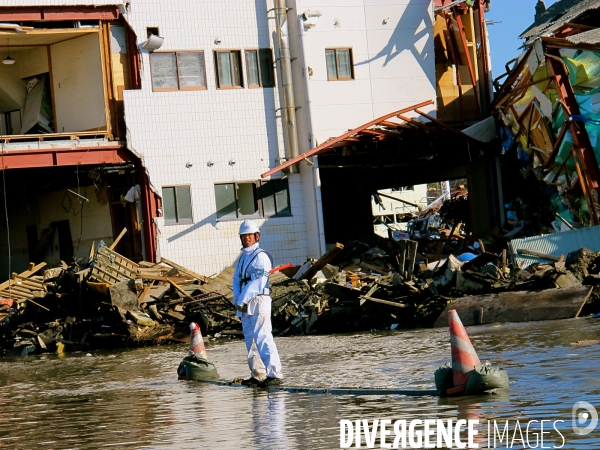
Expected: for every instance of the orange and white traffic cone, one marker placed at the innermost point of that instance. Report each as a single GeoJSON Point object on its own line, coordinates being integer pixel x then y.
{"type": "Point", "coordinates": [464, 357]}
{"type": "Point", "coordinates": [196, 342]}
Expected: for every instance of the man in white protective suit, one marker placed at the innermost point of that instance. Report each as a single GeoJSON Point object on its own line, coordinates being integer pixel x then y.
{"type": "Point", "coordinates": [253, 303]}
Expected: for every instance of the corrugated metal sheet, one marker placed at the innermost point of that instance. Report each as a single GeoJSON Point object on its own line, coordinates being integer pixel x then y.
{"type": "Point", "coordinates": [557, 15]}
{"type": "Point", "coordinates": [556, 244]}
{"type": "Point", "coordinates": [587, 37]}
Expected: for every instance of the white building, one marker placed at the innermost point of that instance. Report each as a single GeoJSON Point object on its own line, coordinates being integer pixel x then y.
{"type": "Point", "coordinates": [198, 119]}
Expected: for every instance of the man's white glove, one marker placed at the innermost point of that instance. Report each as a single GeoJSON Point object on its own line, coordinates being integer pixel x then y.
{"type": "Point", "coordinates": [243, 308]}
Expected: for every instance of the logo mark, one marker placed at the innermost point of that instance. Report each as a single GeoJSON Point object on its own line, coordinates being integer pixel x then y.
{"type": "Point", "coordinates": [579, 417]}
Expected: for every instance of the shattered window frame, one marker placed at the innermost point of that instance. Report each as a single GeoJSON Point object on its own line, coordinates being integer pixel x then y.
{"type": "Point", "coordinates": [336, 52]}
{"type": "Point", "coordinates": [178, 74]}
{"type": "Point", "coordinates": [279, 196]}
{"type": "Point", "coordinates": [264, 59]}
{"type": "Point", "coordinates": [235, 69]}
{"type": "Point", "coordinates": [175, 218]}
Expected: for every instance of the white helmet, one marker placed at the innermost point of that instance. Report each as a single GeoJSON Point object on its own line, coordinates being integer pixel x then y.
{"type": "Point", "coordinates": [249, 227]}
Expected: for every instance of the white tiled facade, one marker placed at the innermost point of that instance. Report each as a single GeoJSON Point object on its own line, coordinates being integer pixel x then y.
{"type": "Point", "coordinates": [392, 46]}
{"type": "Point", "coordinates": [171, 129]}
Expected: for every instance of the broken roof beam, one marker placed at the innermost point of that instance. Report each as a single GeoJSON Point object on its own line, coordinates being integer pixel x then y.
{"type": "Point", "coordinates": [513, 77]}
{"type": "Point", "coordinates": [326, 146]}
{"type": "Point", "coordinates": [519, 88]}
{"type": "Point", "coordinates": [443, 125]}
{"type": "Point", "coordinates": [388, 124]}
{"type": "Point", "coordinates": [422, 125]}
{"type": "Point", "coordinates": [371, 132]}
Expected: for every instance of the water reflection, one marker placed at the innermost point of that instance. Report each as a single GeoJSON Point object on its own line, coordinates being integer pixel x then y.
{"type": "Point", "coordinates": [131, 399]}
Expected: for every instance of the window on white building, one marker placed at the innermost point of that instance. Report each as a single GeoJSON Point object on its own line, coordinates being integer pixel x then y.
{"type": "Point", "coordinates": [275, 197]}
{"type": "Point", "coordinates": [177, 205]}
{"type": "Point", "coordinates": [228, 65]}
{"type": "Point", "coordinates": [177, 71]}
{"type": "Point", "coordinates": [259, 199]}
{"type": "Point", "coordinates": [259, 64]}
{"type": "Point", "coordinates": [339, 64]}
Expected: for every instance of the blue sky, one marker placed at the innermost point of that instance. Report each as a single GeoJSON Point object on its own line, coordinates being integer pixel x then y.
{"type": "Point", "coordinates": [515, 17]}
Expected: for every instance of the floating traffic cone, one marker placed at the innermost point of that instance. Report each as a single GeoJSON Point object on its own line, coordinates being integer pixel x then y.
{"type": "Point", "coordinates": [196, 341]}
{"type": "Point", "coordinates": [464, 357]}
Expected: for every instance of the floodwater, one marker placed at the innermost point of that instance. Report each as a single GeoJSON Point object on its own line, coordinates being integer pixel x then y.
{"type": "Point", "coordinates": [131, 399]}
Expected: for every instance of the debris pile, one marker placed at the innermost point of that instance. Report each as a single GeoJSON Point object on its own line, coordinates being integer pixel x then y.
{"type": "Point", "coordinates": [408, 284]}
{"type": "Point", "coordinates": [113, 302]}
{"type": "Point", "coordinates": [106, 303]}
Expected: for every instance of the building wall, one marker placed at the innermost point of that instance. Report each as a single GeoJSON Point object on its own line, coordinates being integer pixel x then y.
{"type": "Point", "coordinates": [392, 48]}
{"type": "Point", "coordinates": [177, 133]}
{"type": "Point", "coordinates": [394, 67]}
{"type": "Point", "coordinates": [170, 129]}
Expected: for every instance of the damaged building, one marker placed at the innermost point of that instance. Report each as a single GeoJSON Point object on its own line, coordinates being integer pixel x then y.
{"type": "Point", "coordinates": [547, 110]}
{"type": "Point", "coordinates": [67, 171]}
{"type": "Point", "coordinates": [117, 115]}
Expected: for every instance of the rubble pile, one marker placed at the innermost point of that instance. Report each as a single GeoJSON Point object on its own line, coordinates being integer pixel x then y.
{"type": "Point", "coordinates": [387, 286]}
{"type": "Point", "coordinates": [108, 302]}
{"type": "Point", "coordinates": [112, 302]}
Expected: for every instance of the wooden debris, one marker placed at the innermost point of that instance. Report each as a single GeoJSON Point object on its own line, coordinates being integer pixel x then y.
{"type": "Point", "coordinates": [118, 239]}
{"type": "Point", "coordinates": [522, 306]}
{"type": "Point", "coordinates": [323, 261]}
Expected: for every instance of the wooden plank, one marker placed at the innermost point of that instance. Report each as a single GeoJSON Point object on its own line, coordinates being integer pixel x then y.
{"type": "Point", "coordinates": [119, 272]}
{"type": "Point", "coordinates": [119, 237]}
{"type": "Point", "coordinates": [385, 302]}
{"type": "Point", "coordinates": [96, 274]}
{"type": "Point", "coordinates": [181, 291]}
{"type": "Point", "coordinates": [322, 261]}
{"type": "Point", "coordinates": [28, 279]}
{"type": "Point", "coordinates": [521, 306]}
{"type": "Point", "coordinates": [37, 304]}
{"type": "Point", "coordinates": [221, 283]}
{"type": "Point", "coordinates": [104, 250]}
{"type": "Point", "coordinates": [145, 292]}
{"type": "Point", "coordinates": [14, 295]}
{"type": "Point", "coordinates": [20, 289]}
{"type": "Point", "coordinates": [185, 270]}
{"type": "Point", "coordinates": [175, 314]}
{"type": "Point", "coordinates": [179, 280]}
{"type": "Point", "coordinates": [110, 275]}
{"type": "Point", "coordinates": [29, 285]}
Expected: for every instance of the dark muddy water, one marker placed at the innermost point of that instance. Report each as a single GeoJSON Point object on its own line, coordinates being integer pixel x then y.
{"type": "Point", "coordinates": [132, 400]}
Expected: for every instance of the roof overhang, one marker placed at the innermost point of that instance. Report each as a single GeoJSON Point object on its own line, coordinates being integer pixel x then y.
{"type": "Point", "coordinates": [381, 130]}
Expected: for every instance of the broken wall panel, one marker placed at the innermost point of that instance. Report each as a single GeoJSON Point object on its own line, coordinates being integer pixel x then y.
{"type": "Point", "coordinates": [461, 66]}
{"type": "Point", "coordinates": [78, 85]}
